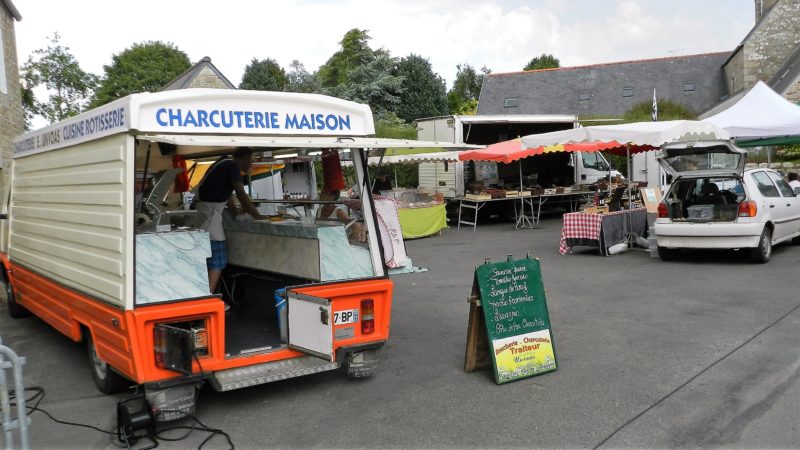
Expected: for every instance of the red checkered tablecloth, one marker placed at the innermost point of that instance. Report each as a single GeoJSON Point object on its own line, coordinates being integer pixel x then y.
{"type": "Point", "coordinates": [581, 225]}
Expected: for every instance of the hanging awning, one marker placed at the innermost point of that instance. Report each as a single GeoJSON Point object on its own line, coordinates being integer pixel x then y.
{"type": "Point", "coordinates": [416, 158]}
{"type": "Point", "coordinates": [195, 144]}
{"type": "Point", "coordinates": [619, 139]}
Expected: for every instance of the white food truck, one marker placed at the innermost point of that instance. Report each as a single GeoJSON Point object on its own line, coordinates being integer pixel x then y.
{"type": "Point", "coordinates": [99, 244]}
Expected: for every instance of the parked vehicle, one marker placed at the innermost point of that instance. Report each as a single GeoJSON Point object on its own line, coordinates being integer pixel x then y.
{"type": "Point", "coordinates": [100, 247]}
{"type": "Point", "coordinates": [713, 203]}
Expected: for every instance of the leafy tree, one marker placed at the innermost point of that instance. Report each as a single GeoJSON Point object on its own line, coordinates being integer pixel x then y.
{"type": "Point", "coordinates": [424, 93]}
{"type": "Point", "coordinates": [543, 61]}
{"type": "Point", "coordinates": [463, 98]}
{"type": "Point", "coordinates": [144, 67]}
{"type": "Point", "coordinates": [264, 75]}
{"type": "Point", "coordinates": [300, 80]}
{"type": "Point", "coordinates": [355, 52]}
{"type": "Point", "coordinates": [358, 73]}
{"type": "Point", "coordinates": [67, 84]}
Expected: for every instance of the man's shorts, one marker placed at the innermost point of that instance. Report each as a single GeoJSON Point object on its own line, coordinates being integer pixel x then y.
{"type": "Point", "coordinates": [219, 256]}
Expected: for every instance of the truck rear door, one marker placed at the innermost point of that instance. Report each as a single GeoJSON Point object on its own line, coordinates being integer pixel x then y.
{"type": "Point", "coordinates": [310, 325]}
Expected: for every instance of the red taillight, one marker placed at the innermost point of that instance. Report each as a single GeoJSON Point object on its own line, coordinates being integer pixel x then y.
{"type": "Point", "coordinates": [748, 209]}
{"type": "Point", "coordinates": [367, 316]}
{"type": "Point", "coordinates": [663, 213]}
{"type": "Point", "coordinates": [160, 346]}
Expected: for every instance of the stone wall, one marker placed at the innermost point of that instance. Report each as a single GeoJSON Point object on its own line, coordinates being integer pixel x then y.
{"type": "Point", "coordinates": [734, 72]}
{"type": "Point", "coordinates": [773, 41]}
{"type": "Point", "coordinates": [207, 79]}
{"type": "Point", "coordinates": [763, 6]}
{"type": "Point", "coordinates": [12, 123]}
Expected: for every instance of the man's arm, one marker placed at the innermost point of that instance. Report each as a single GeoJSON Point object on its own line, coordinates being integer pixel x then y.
{"type": "Point", "coordinates": [244, 200]}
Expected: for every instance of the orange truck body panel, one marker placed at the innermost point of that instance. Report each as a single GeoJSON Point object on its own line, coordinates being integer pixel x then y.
{"type": "Point", "coordinates": [125, 340]}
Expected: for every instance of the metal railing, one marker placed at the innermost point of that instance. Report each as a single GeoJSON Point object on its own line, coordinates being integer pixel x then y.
{"type": "Point", "coordinates": [10, 360]}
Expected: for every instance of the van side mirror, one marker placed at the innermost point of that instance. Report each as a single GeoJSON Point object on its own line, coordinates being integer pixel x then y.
{"type": "Point", "coordinates": [797, 191]}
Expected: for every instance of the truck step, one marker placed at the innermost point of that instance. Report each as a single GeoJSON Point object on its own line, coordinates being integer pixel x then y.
{"type": "Point", "coordinates": [230, 379]}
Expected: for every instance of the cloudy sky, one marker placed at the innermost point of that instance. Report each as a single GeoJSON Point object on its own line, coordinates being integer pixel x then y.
{"type": "Point", "coordinates": [501, 35]}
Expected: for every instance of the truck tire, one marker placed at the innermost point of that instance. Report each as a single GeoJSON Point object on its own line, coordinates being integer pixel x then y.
{"type": "Point", "coordinates": [762, 253]}
{"type": "Point", "coordinates": [107, 380]}
{"type": "Point", "coordinates": [361, 364]}
{"type": "Point", "coordinates": [15, 310]}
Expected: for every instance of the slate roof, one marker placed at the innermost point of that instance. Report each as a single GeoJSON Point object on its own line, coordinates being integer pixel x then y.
{"type": "Point", "coordinates": [184, 80]}
{"type": "Point", "coordinates": [604, 90]}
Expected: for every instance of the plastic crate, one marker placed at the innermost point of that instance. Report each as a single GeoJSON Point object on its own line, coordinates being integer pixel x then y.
{"type": "Point", "coordinates": [700, 213]}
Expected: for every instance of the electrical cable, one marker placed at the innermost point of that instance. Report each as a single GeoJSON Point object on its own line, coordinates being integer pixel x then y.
{"type": "Point", "coordinates": [32, 405]}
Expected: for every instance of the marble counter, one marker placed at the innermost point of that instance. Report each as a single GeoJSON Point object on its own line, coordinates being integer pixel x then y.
{"type": "Point", "coordinates": [171, 266]}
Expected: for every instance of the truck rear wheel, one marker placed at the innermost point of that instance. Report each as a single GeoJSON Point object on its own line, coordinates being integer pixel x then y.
{"type": "Point", "coordinates": [361, 364]}
{"type": "Point", "coordinates": [667, 254]}
{"type": "Point", "coordinates": [15, 310]}
{"type": "Point", "coordinates": [107, 380]}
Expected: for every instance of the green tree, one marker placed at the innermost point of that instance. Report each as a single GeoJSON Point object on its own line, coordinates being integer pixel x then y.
{"type": "Point", "coordinates": [68, 85]}
{"type": "Point", "coordinates": [264, 75]}
{"type": "Point", "coordinates": [424, 93]}
{"type": "Point", "coordinates": [144, 67]}
{"type": "Point", "coordinates": [543, 61]}
{"type": "Point", "coordinates": [463, 98]}
{"type": "Point", "coordinates": [300, 80]}
{"type": "Point", "coordinates": [358, 73]}
{"type": "Point", "coordinates": [355, 52]}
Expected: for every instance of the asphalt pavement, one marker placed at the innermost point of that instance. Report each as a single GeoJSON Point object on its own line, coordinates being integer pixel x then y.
{"type": "Point", "coordinates": [699, 352]}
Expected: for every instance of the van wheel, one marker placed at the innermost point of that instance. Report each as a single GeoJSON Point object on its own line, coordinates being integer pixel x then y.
{"type": "Point", "coordinates": [361, 364]}
{"type": "Point", "coordinates": [667, 254]}
{"type": "Point", "coordinates": [15, 310]}
{"type": "Point", "coordinates": [107, 381]}
{"type": "Point", "coordinates": [762, 253]}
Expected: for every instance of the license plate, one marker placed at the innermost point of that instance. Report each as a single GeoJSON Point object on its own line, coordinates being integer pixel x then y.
{"type": "Point", "coordinates": [347, 316]}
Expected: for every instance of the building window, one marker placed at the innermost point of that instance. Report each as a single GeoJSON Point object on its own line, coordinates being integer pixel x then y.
{"type": "Point", "coordinates": [688, 86]}
{"type": "Point", "coordinates": [583, 96]}
{"type": "Point", "coordinates": [511, 102]}
{"type": "Point", "coordinates": [627, 92]}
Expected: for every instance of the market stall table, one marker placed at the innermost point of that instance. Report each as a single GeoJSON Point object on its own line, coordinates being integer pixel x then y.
{"type": "Point", "coordinates": [420, 221]}
{"type": "Point", "coordinates": [476, 204]}
{"type": "Point", "coordinates": [601, 230]}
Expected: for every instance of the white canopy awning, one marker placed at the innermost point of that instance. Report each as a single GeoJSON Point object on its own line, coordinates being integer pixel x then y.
{"type": "Point", "coordinates": [190, 144]}
{"type": "Point", "coordinates": [653, 134]}
{"type": "Point", "coordinates": [761, 113]}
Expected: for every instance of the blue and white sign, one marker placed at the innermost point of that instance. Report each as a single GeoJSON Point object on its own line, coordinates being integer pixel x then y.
{"type": "Point", "coordinates": [207, 111]}
{"type": "Point", "coordinates": [253, 112]}
{"type": "Point", "coordinates": [99, 122]}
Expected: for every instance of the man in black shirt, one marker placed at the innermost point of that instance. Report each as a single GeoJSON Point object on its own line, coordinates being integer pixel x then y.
{"type": "Point", "coordinates": [222, 180]}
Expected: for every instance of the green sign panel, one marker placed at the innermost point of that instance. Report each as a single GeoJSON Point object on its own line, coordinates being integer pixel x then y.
{"type": "Point", "coordinates": [517, 321]}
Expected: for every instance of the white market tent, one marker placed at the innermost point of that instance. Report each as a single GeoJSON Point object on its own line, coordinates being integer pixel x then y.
{"type": "Point", "coordinates": [761, 117]}
{"type": "Point", "coordinates": [643, 135]}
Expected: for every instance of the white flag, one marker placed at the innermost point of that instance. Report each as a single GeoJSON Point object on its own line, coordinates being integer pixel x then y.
{"type": "Point", "coordinates": [655, 107]}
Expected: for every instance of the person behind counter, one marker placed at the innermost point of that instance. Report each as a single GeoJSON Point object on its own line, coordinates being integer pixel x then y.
{"type": "Point", "coordinates": [339, 212]}
{"type": "Point", "coordinates": [215, 192]}
{"type": "Point", "coordinates": [381, 183]}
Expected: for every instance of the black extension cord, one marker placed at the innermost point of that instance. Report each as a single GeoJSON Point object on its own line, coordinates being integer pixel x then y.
{"type": "Point", "coordinates": [32, 405]}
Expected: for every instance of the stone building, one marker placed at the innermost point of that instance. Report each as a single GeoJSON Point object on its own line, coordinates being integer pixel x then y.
{"type": "Point", "coordinates": [12, 122]}
{"type": "Point", "coordinates": [204, 74]}
{"type": "Point", "coordinates": [704, 83]}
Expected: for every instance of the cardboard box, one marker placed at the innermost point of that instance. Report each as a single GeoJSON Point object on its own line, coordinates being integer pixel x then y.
{"type": "Point", "coordinates": [651, 198]}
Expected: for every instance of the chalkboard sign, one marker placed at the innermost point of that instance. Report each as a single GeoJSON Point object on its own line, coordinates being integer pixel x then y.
{"type": "Point", "coordinates": [517, 322]}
